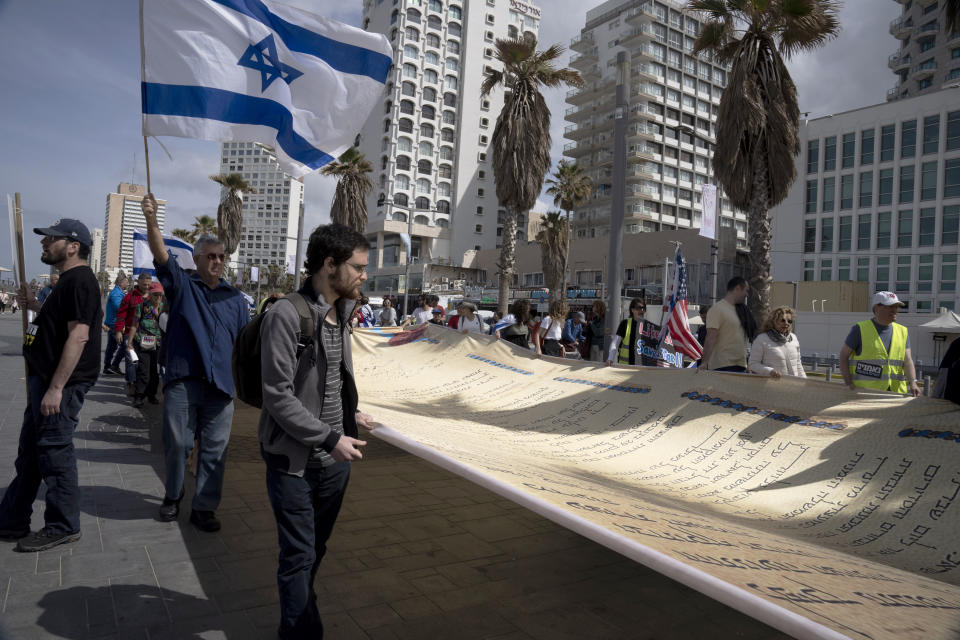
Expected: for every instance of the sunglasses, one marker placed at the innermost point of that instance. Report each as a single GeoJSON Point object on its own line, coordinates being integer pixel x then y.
{"type": "Point", "coordinates": [215, 256]}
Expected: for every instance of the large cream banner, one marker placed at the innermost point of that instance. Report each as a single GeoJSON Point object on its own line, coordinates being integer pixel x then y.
{"type": "Point", "coordinates": [822, 512]}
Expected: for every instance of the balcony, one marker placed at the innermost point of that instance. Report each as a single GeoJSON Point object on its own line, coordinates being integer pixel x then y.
{"type": "Point", "coordinates": [582, 42]}
{"type": "Point", "coordinates": [642, 131]}
{"type": "Point", "coordinates": [643, 71]}
{"type": "Point", "coordinates": [931, 27]}
{"type": "Point", "coordinates": [640, 15]}
{"type": "Point", "coordinates": [901, 29]}
{"type": "Point", "coordinates": [898, 62]}
{"type": "Point", "coordinates": [642, 33]}
{"type": "Point", "coordinates": [924, 70]}
{"type": "Point", "coordinates": [586, 58]}
{"type": "Point", "coordinates": [953, 38]}
{"type": "Point", "coordinates": [590, 91]}
{"type": "Point", "coordinates": [893, 94]}
{"type": "Point", "coordinates": [645, 90]}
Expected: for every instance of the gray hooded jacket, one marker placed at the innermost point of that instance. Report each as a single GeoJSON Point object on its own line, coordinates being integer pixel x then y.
{"type": "Point", "coordinates": [293, 392]}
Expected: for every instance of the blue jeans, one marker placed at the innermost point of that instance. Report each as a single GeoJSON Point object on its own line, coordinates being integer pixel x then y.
{"type": "Point", "coordinates": [195, 409]}
{"type": "Point", "coordinates": [305, 509]}
{"type": "Point", "coordinates": [129, 366]}
{"type": "Point", "coordinates": [46, 454]}
{"type": "Point", "coordinates": [114, 354]}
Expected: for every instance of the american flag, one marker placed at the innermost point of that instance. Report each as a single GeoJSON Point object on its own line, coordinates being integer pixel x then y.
{"type": "Point", "coordinates": [677, 326]}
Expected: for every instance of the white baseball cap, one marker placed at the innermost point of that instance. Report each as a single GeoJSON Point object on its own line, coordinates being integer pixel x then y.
{"type": "Point", "coordinates": [887, 299]}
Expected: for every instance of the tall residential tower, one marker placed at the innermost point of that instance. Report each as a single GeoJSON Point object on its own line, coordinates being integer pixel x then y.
{"type": "Point", "coordinates": [122, 217]}
{"type": "Point", "coordinates": [430, 145]}
{"type": "Point", "coordinates": [673, 97]}
{"type": "Point", "coordinates": [929, 56]}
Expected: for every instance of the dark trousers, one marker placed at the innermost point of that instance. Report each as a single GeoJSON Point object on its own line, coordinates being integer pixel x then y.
{"type": "Point", "coordinates": [46, 454]}
{"type": "Point", "coordinates": [148, 375]}
{"type": "Point", "coordinates": [734, 368]}
{"type": "Point", "coordinates": [113, 354]}
{"type": "Point", "coordinates": [553, 348]}
{"type": "Point", "coordinates": [305, 509]}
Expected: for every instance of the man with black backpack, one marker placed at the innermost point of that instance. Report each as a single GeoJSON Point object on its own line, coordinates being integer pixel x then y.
{"type": "Point", "coordinates": [308, 425]}
{"type": "Point", "coordinates": [205, 317]}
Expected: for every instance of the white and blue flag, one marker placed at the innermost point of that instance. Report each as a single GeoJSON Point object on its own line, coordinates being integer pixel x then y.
{"type": "Point", "coordinates": [259, 70]}
{"type": "Point", "coordinates": [143, 258]}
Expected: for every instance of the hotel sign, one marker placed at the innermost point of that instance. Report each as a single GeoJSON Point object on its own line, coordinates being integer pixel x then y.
{"type": "Point", "coordinates": [525, 8]}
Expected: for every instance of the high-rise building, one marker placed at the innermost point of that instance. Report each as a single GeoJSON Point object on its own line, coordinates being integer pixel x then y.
{"type": "Point", "coordinates": [877, 200]}
{"type": "Point", "coordinates": [929, 57]}
{"type": "Point", "coordinates": [673, 103]}
{"type": "Point", "coordinates": [122, 218]}
{"type": "Point", "coordinates": [96, 250]}
{"type": "Point", "coordinates": [269, 232]}
{"type": "Point", "coordinates": [430, 140]}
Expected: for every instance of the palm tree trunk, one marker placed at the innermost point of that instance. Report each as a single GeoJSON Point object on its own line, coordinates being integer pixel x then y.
{"type": "Point", "coordinates": [566, 258]}
{"type": "Point", "coordinates": [508, 258]}
{"type": "Point", "coordinates": [758, 217]}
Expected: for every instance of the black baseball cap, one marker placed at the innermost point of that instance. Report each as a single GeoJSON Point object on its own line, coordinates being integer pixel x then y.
{"type": "Point", "coordinates": [75, 230]}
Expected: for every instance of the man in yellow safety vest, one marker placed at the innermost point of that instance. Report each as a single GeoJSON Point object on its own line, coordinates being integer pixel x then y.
{"type": "Point", "coordinates": [876, 353]}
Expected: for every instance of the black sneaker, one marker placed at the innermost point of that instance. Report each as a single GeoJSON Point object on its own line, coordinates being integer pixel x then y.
{"type": "Point", "coordinates": [205, 521]}
{"type": "Point", "coordinates": [45, 539]}
{"type": "Point", "coordinates": [170, 509]}
{"type": "Point", "coordinates": [138, 402]}
{"type": "Point", "coordinates": [10, 535]}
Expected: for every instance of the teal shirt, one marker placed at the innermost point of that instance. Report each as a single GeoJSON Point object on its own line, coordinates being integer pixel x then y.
{"type": "Point", "coordinates": [148, 320]}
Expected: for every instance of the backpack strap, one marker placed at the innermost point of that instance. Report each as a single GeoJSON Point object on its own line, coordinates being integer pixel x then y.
{"type": "Point", "coordinates": [307, 330]}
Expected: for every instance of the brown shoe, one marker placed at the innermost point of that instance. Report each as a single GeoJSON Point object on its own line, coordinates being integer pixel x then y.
{"type": "Point", "coordinates": [131, 389]}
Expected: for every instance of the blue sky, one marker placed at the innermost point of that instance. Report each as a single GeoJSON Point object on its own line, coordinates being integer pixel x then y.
{"type": "Point", "coordinates": [70, 111]}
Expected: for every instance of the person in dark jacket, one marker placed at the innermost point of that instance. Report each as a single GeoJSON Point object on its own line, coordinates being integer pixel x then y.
{"type": "Point", "coordinates": [308, 424]}
{"type": "Point", "coordinates": [114, 353]}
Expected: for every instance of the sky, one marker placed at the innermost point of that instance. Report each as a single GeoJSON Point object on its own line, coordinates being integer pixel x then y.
{"type": "Point", "coordinates": [70, 106]}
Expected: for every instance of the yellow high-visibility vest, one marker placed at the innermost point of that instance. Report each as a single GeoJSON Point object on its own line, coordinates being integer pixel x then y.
{"type": "Point", "coordinates": [623, 356]}
{"type": "Point", "coordinates": [875, 368]}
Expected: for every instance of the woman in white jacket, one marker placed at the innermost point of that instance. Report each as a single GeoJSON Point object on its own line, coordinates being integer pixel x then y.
{"type": "Point", "coordinates": [776, 350]}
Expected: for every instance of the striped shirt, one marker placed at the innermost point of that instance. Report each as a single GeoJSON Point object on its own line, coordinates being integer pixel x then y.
{"type": "Point", "coordinates": [332, 412]}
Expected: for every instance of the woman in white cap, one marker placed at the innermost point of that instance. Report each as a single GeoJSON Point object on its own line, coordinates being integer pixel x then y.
{"type": "Point", "coordinates": [469, 321]}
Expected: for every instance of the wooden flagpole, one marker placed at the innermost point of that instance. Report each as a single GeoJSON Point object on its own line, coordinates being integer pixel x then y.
{"type": "Point", "coordinates": [146, 157]}
{"type": "Point", "coordinates": [22, 276]}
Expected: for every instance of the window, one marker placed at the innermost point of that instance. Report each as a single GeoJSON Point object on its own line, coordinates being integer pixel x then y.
{"type": "Point", "coordinates": [826, 236]}
{"type": "Point", "coordinates": [443, 206]}
{"type": "Point", "coordinates": [905, 229]}
{"type": "Point", "coordinates": [425, 167]}
{"type": "Point", "coordinates": [810, 236]}
{"type": "Point", "coordinates": [428, 112]}
{"type": "Point", "coordinates": [423, 186]}
{"type": "Point", "coordinates": [928, 181]}
{"type": "Point", "coordinates": [883, 230]}
{"type": "Point", "coordinates": [830, 153]}
{"type": "Point", "coordinates": [431, 58]}
{"type": "Point", "coordinates": [885, 192]}
{"type": "Point", "coordinates": [908, 139]}
{"type": "Point", "coordinates": [406, 106]}
{"type": "Point", "coordinates": [948, 272]}
{"type": "Point", "coordinates": [846, 192]}
{"type": "Point", "coordinates": [953, 129]}
{"type": "Point", "coordinates": [925, 274]}
{"type": "Point", "coordinates": [843, 269]}
{"type": "Point", "coordinates": [426, 130]}
{"type": "Point", "coordinates": [413, 16]}
{"type": "Point", "coordinates": [453, 47]}
{"type": "Point", "coordinates": [409, 70]}
{"type": "Point", "coordinates": [410, 51]}
{"type": "Point", "coordinates": [813, 156]}
{"type": "Point", "coordinates": [404, 144]}
{"type": "Point", "coordinates": [866, 146]}
{"type": "Point", "coordinates": [433, 40]}
{"type": "Point", "coordinates": [866, 189]}
{"type": "Point", "coordinates": [951, 178]}
{"type": "Point", "coordinates": [863, 269]}
{"type": "Point", "coordinates": [863, 231]}
{"type": "Point", "coordinates": [453, 29]}
{"type": "Point", "coordinates": [931, 134]}
{"type": "Point", "coordinates": [951, 225]}
{"type": "Point", "coordinates": [808, 270]}
{"type": "Point", "coordinates": [484, 140]}
{"type": "Point", "coordinates": [846, 233]}
{"type": "Point", "coordinates": [434, 22]}
{"type": "Point", "coordinates": [479, 193]}
{"type": "Point", "coordinates": [408, 89]}
{"type": "Point", "coordinates": [883, 274]}
{"type": "Point", "coordinates": [829, 189]}
{"type": "Point", "coordinates": [904, 267]}
{"type": "Point", "coordinates": [811, 206]}
{"type": "Point", "coordinates": [436, 5]}
{"type": "Point", "coordinates": [449, 117]}
{"type": "Point", "coordinates": [456, 13]}
{"type": "Point", "coordinates": [431, 76]}
{"type": "Point", "coordinates": [478, 228]}
{"type": "Point", "coordinates": [928, 224]}
{"type": "Point", "coordinates": [405, 125]}
{"type": "Point", "coordinates": [826, 269]}
{"type": "Point", "coordinates": [403, 162]}
{"type": "Point", "coordinates": [446, 153]}
{"type": "Point", "coordinates": [401, 182]}
{"type": "Point", "coordinates": [888, 135]}
{"type": "Point", "coordinates": [446, 171]}
{"type": "Point", "coordinates": [423, 204]}
{"type": "Point", "coordinates": [906, 184]}
{"type": "Point", "coordinates": [849, 150]}
{"type": "Point", "coordinates": [401, 199]}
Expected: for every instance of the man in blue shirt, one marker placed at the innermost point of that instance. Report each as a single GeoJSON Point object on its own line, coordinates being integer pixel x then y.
{"type": "Point", "coordinates": [205, 318]}
{"type": "Point", "coordinates": [48, 289]}
{"type": "Point", "coordinates": [114, 354]}
{"type": "Point", "coordinates": [573, 330]}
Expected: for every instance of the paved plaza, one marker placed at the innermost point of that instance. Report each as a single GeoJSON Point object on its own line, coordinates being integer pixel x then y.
{"type": "Point", "coordinates": [418, 553]}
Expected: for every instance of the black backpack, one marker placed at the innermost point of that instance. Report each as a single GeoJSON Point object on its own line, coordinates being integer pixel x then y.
{"type": "Point", "coordinates": [245, 362]}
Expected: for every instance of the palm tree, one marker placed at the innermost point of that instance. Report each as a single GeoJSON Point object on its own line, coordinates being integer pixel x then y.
{"type": "Point", "coordinates": [758, 121]}
{"type": "Point", "coordinates": [204, 226]}
{"type": "Point", "coordinates": [521, 139]}
{"type": "Point", "coordinates": [951, 16]}
{"type": "Point", "coordinates": [569, 188]}
{"type": "Point", "coordinates": [554, 240]}
{"type": "Point", "coordinates": [230, 210]}
{"type": "Point", "coordinates": [185, 234]}
{"type": "Point", "coordinates": [353, 186]}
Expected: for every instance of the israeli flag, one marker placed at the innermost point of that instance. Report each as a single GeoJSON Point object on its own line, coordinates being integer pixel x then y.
{"type": "Point", "coordinates": [143, 258]}
{"type": "Point", "coordinates": [259, 70]}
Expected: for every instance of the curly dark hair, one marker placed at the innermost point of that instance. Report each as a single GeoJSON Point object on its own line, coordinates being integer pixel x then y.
{"type": "Point", "coordinates": [335, 241]}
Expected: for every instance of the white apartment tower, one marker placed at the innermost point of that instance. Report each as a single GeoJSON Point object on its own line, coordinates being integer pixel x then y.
{"type": "Point", "coordinates": [429, 141]}
{"type": "Point", "coordinates": [673, 104]}
{"type": "Point", "coordinates": [269, 232]}
{"type": "Point", "coordinates": [122, 217]}
{"type": "Point", "coordinates": [929, 55]}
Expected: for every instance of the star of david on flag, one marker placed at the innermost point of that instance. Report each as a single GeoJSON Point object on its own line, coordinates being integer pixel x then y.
{"type": "Point", "coordinates": [262, 71]}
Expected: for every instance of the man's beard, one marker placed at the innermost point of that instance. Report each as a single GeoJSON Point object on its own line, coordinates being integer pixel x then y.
{"type": "Point", "coordinates": [342, 289]}
{"type": "Point", "coordinates": [51, 258]}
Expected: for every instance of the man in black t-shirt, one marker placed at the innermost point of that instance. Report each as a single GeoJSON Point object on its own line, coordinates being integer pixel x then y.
{"type": "Point", "coordinates": [62, 350]}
